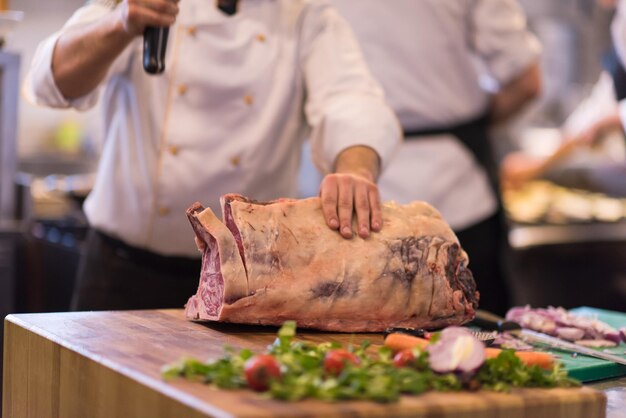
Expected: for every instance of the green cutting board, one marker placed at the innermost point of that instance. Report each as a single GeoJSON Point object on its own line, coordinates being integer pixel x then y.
{"type": "Point", "coordinates": [588, 369]}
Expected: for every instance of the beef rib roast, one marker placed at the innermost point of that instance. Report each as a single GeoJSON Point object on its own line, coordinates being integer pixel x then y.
{"type": "Point", "coordinates": [268, 262]}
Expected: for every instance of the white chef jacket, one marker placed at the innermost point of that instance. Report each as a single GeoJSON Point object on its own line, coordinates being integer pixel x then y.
{"type": "Point", "coordinates": [228, 115]}
{"type": "Point", "coordinates": [600, 103]}
{"type": "Point", "coordinates": [618, 35]}
{"type": "Point", "coordinates": [424, 53]}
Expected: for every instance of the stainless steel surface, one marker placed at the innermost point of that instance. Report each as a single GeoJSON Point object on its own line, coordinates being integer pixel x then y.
{"type": "Point", "coordinates": [537, 337]}
{"type": "Point", "coordinates": [45, 164]}
{"type": "Point", "coordinates": [536, 235]}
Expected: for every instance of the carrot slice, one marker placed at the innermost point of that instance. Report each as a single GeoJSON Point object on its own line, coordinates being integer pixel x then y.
{"type": "Point", "coordinates": [398, 342]}
{"type": "Point", "coordinates": [530, 358]}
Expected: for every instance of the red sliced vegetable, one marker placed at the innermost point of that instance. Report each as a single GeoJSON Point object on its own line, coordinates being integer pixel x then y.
{"type": "Point", "coordinates": [335, 360]}
{"type": "Point", "coordinates": [457, 350]}
{"type": "Point", "coordinates": [260, 370]}
{"type": "Point", "coordinates": [404, 358]}
{"type": "Point", "coordinates": [622, 333]}
{"type": "Point", "coordinates": [569, 333]}
{"type": "Point", "coordinates": [552, 320]}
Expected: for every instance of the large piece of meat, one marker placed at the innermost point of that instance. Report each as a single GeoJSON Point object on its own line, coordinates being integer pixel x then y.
{"type": "Point", "coordinates": [268, 262]}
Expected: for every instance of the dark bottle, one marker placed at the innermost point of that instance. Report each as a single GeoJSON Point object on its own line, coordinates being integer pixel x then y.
{"type": "Point", "coordinates": [154, 45]}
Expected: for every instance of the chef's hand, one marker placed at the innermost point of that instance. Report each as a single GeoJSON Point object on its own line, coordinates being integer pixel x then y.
{"type": "Point", "coordinates": [136, 15]}
{"type": "Point", "coordinates": [352, 188]}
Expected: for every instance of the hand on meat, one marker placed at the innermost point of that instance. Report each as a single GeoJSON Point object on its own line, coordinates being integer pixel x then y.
{"type": "Point", "coordinates": [352, 189]}
{"type": "Point", "coordinates": [268, 262]}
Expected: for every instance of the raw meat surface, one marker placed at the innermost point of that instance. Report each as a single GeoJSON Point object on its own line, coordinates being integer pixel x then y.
{"type": "Point", "coordinates": [273, 261]}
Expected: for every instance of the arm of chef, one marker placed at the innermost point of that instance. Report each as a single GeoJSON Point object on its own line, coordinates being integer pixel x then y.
{"type": "Point", "coordinates": [70, 66]}
{"type": "Point", "coordinates": [345, 105]}
{"type": "Point", "coordinates": [40, 85]}
{"type": "Point", "coordinates": [510, 53]}
{"type": "Point", "coordinates": [354, 131]}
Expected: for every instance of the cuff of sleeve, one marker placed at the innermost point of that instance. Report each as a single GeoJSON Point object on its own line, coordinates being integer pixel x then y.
{"type": "Point", "coordinates": [40, 88]}
{"type": "Point", "coordinates": [504, 67]}
{"type": "Point", "coordinates": [363, 121]}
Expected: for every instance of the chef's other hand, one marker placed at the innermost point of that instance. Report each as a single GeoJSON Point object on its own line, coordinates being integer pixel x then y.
{"type": "Point", "coordinates": [352, 189]}
{"type": "Point", "coordinates": [136, 15]}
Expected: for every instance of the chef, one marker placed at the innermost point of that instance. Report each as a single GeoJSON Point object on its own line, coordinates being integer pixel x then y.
{"type": "Point", "coordinates": [596, 124]}
{"type": "Point", "coordinates": [239, 93]}
{"type": "Point", "coordinates": [597, 120]}
{"type": "Point", "coordinates": [429, 56]}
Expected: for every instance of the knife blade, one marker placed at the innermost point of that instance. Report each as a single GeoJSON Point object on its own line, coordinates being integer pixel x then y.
{"type": "Point", "coordinates": [492, 321]}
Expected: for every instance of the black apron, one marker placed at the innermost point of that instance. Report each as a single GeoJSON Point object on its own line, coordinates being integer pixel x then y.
{"type": "Point", "coordinates": [474, 134]}
{"type": "Point", "coordinates": [485, 242]}
{"type": "Point", "coordinates": [613, 65]}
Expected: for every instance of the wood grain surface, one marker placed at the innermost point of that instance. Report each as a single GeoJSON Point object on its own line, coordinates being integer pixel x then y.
{"type": "Point", "coordinates": [107, 364]}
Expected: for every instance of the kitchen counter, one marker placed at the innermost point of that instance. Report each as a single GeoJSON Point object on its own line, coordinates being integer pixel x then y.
{"type": "Point", "coordinates": [107, 364]}
{"type": "Point", "coordinates": [526, 236]}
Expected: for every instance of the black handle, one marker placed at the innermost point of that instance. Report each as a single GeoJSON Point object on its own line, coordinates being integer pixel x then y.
{"type": "Point", "coordinates": [491, 321]}
{"type": "Point", "coordinates": [154, 45]}
{"type": "Point", "coordinates": [229, 7]}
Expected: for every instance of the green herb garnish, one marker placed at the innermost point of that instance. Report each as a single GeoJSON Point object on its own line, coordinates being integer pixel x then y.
{"type": "Point", "coordinates": [374, 378]}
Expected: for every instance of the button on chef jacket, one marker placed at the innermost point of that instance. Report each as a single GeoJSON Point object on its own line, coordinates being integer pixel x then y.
{"type": "Point", "coordinates": [425, 54]}
{"type": "Point", "coordinates": [238, 96]}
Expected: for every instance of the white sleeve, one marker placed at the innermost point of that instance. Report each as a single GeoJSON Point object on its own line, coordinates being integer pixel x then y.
{"type": "Point", "coordinates": [344, 104]}
{"type": "Point", "coordinates": [39, 86]}
{"type": "Point", "coordinates": [600, 103]}
{"type": "Point", "coordinates": [500, 37]}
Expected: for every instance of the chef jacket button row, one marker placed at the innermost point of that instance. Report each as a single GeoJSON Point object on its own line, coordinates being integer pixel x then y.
{"type": "Point", "coordinates": [248, 99]}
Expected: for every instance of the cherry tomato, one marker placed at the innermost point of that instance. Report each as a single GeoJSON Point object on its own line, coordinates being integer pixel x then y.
{"type": "Point", "coordinates": [403, 358]}
{"type": "Point", "coordinates": [335, 360]}
{"type": "Point", "coordinates": [259, 370]}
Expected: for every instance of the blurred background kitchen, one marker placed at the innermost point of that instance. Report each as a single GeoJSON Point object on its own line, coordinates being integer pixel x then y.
{"type": "Point", "coordinates": [567, 234]}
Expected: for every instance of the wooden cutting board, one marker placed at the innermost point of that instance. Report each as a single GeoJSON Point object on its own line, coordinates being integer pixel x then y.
{"type": "Point", "coordinates": [106, 364]}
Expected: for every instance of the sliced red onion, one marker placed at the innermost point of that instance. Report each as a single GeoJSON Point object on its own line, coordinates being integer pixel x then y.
{"type": "Point", "coordinates": [570, 334]}
{"type": "Point", "coordinates": [622, 333]}
{"type": "Point", "coordinates": [552, 320]}
{"type": "Point", "coordinates": [596, 343]}
{"type": "Point", "coordinates": [456, 351]}
{"type": "Point", "coordinates": [534, 319]}
{"type": "Point", "coordinates": [515, 313]}
{"type": "Point", "coordinates": [613, 336]}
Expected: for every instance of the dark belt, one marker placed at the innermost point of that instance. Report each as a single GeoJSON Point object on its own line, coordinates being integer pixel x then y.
{"type": "Point", "coordinates": [475, 125]}
{"type": "Point", "coordinates": [148, 259]}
